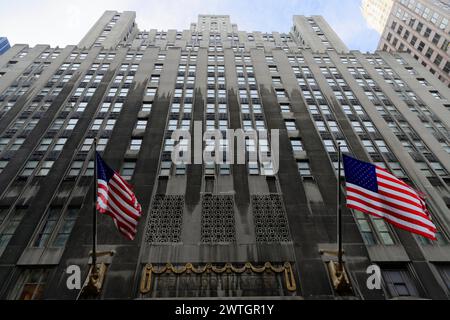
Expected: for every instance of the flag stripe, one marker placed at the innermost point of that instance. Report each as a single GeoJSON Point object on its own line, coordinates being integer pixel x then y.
{"type": "Point", "coordinates": [395, 186]}
{"type": "Point", "coordinates": [357, 197]}
{"type": "Point", "coordinates": [396, 222]}
{"type": "Point", "coordinates": [118, 221]}
{"type": "Point", "coordinates": [125, 205]}
{"type": "Point", "coordinates": [392, 204]}
{"type": "Point", "coordinates": [112, 212]}
{"type": "Point", "coordinates": [399, 195]}
{"type": "Point", "coordinates": [117, 186]}
{"type": "Point", "coordinates": [112, 204]}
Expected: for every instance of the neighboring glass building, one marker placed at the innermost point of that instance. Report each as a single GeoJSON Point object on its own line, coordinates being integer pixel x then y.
{"type": "Point", "coordinates": [4, 45]}
{"type": "Point", "coordinates": [216, 230]}
{"type": "Point", "coordinates": [419, 27]}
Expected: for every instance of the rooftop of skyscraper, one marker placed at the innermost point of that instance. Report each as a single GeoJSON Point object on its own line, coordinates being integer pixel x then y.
{"type": "Point", "coordinates": [73, 21]}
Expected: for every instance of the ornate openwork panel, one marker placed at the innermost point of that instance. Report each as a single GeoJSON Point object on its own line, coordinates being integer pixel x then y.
{"type": "Point", "coordinates": [166, 216]}
{"type": "Point", "coordinates": [269, 218]}
{"type": "Point", "coordinates": [218, 218]}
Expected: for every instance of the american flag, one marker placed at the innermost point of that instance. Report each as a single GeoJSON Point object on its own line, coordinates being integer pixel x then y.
{"type": "Point", "coordinates": [373, 190]}
{"type": "Point", "coordinates": [116, 199]}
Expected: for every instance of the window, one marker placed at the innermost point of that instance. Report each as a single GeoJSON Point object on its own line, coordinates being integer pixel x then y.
{"type": "Point", "coordinates": [10, 225]}
{"type": "Point", "coordinates": [285, 107]}
{"type": "Point", "coordinates": [333, 126]}
{"type": "Point", "coordinates": [31, 285]}
{"type": "Point", "coordinates": [3, 164]}
{"type": "Point", "coordinates": [71, 124]}
{"type": "Point", "coordinates": [127, 169]}
{"type": "Point", "coordinates": [438, 168]}
{"type": "Point", "coordinates": [59, 144]}
{"type": "Point", "coordinates": [45, 143]}
{"type": "Point", "coordinates": [65, 228]}
{"type": "Point", "coordinates": [344, 147]}
{"type": "Point", "coordinates": [280, 93]}
{"type": "Point", "coordinates": [117, 107]}
{"type": "Point", "coordinates": [321, 126]}
{"type": "Point", "coordinates": [399, 283]}
{"type": "Point", "coordinates": [3, 143]}
{"type": "Point", "coordinates": [445, 274]}
{"type": "Point", "coordinates": [424, 168]}
{"type": "Point", "coordinates": [146, 107]}
{"type": "Point", "coordinates": [369, 126]}
{"type": "Point", "coordinates": [110, 124]}
{"type": "Point", "coordinates": [290, 125]}
{"type": "Point", "coordinates": [329, 145]}
{"type": "Point", "coordinates": [29, 168]}
{"type": "Point", "coordinates": [141, 124]}
{"type": "Point", "coordinates": [75, 168]}
{"type": "Point", "coordinates": [17, 143]}
{"type": "Point", "coordinates": [381, 146]}
{"type": "Point", "coordinates": [304, 168]}
{"type": "Point", "coordinates": [45, 168]}
{"type": "Point", "coordinates": [180, 169]}
{"type": "Point", "coordinates": [89, 169]}
{"type": "Point", "coordinates": [224, 169]}
{"type": "Point", "coordinates": [364, 228]}
{"type": "Point", "coordinates": [383, 231]}
{"type": "Point", "coordinates": [135, 144]}
{"type": "Point", "coordinates": [51, 219]}
{"type": "Point", "coordinates": [97, 124]}
{"type": "Point", "coordinates": [165, 168]}
{"type": "Point", "coordinates": [101, 144]}
{"type": "Point", "coordinates": [253, 168]}
{"type": "Point", "coordinates": [368, 145]}
{"type": "Point", "coordinates": [150, 92]}
{"type": "Point", "coordinates": [296, 145]}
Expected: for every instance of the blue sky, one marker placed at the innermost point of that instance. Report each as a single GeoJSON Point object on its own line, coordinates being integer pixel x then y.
{"type": "Point", "coordinates": [26, 21]}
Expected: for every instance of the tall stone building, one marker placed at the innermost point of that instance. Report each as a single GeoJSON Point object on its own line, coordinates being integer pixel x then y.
{"type": "Point", "coordinates": [419, 27]}
{"type": "Point", "coordinates": [216, 230]}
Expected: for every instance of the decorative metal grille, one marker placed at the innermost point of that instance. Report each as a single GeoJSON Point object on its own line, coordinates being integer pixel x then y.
{"type": "Point", "coordinates": [269, 218]}
{"type": "Point", "coordinates": [218, 223]}
{"type": "Point", "coordinates": [166, 217]}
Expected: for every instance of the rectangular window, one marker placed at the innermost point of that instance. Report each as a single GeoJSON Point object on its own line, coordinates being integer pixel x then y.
{"type": "Point", "coordinates": [399, 283]}
{"type": "Point", "coordinates": [45, 168]}
{"type": "Point", "coordinates": [135, 144]}
{"type": "Point", "coordinates": [127, 169]}
{"type": "Point", "coordinates": [31, 285]}
{"type": "Point", "coordinates": [65, 227]}
{"type": "Point", "coordinates": [296, 145]}
{"type": "Point", "coordinates": [47, 228]}
{"type": "Point", "coordinates": [29, 168]}
{"type": "Point", "coordinates": [304, 168]}
{"type": "Point", "coordinates": [10, 225]}
{"type": "Point", "coordinates": [146, 107]}
{"type": "Point", "coordinates": [59, 145]}
{"type": "Point", "coordinates": [141, 124]}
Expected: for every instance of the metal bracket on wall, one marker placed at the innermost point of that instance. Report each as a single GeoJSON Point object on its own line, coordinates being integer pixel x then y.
{"type": "Point", "coordinates": [93, 285]}
{"type": "Point", "coordinates": [338, 274]}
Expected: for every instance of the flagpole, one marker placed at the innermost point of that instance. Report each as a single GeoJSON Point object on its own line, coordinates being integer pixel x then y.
{"type": "Point", "coordinates": [94, 214]}
{"type": "Point", "coordinates": [339, 213]}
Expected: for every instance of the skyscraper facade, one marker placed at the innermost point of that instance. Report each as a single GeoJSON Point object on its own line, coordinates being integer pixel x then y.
{"type": "Point", "coordinates": [4, 45]}
{"type": "Point", "coordinates": [376, 13]}
{"type": "Point", "coordinates": [216, 229]}
{"type": "Point", "coordinates": [419, 27]}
